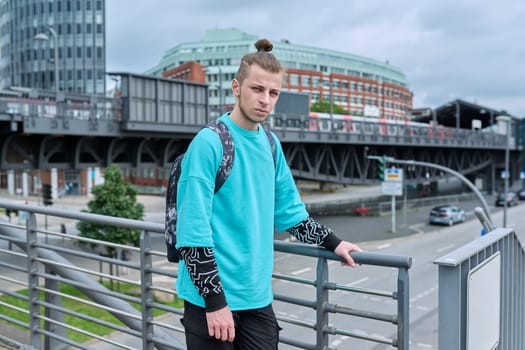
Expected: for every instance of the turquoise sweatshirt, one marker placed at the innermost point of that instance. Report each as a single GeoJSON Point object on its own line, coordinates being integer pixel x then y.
{"type": "Point", "coordinates": [238, 222]}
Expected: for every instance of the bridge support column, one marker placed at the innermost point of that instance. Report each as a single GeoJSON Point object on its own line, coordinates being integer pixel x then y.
{"type": "Point", "coordinates": [88, 182]}
{"type": "Point", "coordinates": [54, 183]}
{"type": "Point", "coordinates": [92, 179]}
{"type": "Point", "coordinates": [11, 181]}
{"type": "Point", "coordinates": [25, 184]}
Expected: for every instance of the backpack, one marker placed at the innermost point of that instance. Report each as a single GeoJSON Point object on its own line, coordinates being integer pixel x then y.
{"type": "Point", "coordinates": [223, 172]}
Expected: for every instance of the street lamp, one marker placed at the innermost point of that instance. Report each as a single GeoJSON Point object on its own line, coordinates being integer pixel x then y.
{"type": "Point", "coordinates": [43, 36]}
{"type": "Point", "coordinates": [506, 119]}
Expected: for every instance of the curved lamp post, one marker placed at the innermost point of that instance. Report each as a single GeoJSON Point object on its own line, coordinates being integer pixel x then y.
{"type": "Point", "coordinates": [506, 119]}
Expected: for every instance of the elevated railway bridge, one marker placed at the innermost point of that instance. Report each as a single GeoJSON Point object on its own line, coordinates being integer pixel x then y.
{"type": "Point", "coordinates": [153, 120]}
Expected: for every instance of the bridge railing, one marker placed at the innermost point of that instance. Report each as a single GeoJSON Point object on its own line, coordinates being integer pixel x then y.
{"type": "Point", "coordinates": [482, 293]}
{"type": "Point", "coordinates": [41, 267]}
{"type": "Point", "coordinates": [65, 105]}
{"type": "Point", "coordinates": [375, 130]}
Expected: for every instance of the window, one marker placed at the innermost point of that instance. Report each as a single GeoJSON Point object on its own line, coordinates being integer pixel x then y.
{"type": "Point", "coordinates": [79, 52]}
{"type": "Point", "coordinates": [88, 52]}
{"type": "Point", "coordinates": [294, 79]}
{"type": "Point", "coordinates": [79, 28]}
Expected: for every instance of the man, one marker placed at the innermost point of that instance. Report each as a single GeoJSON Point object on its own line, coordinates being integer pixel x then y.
{"type": "Point", "coordinates": [226, 238]}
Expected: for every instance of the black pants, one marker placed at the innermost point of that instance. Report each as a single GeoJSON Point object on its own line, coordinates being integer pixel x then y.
{"type": "Point", "coordinates": [255, 329]}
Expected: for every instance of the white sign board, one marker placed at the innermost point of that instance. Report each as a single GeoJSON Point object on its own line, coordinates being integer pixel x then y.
{"type": "Point", "coordinates": [371, 111]}
{"type": "Point", "coordinates": [393, 174]}
{"type": "Point", "coordinates": [392, 188]}
{"type": "Point", "coordinates": [483, 304]}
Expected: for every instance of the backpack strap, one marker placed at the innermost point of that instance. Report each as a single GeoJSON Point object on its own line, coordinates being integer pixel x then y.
{"type": "Point", "coordinates": [272, 143]}
{"type": "Point", "coordinates": [226, 165]}
{"type": "Point", "coordinates": [226, 138]}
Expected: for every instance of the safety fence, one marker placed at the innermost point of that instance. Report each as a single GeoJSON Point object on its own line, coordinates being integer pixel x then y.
{"type": "Point", "coordinates": [482, 294]}
{"type": "Point", "coordinates": [65, 292]}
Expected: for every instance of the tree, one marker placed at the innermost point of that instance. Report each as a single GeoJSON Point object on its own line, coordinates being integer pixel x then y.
{"type": "Point", "coordinates": [114, 197]}
{"type": "Point", "coordinates": [323, 106]}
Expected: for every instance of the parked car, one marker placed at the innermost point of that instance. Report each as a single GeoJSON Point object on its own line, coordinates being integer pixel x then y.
{"type": "Point", "coordinates": [446, 215]}
{"type": "Point", "coordinates": [510, 197]}
{"type": "Point", "coordinates": [521, 194]}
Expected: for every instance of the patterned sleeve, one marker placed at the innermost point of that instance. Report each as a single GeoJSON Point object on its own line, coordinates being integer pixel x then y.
{"type": "Point", "coordinates": [202, 267]}
{"type": "Point", "coordinates": [311, 231]}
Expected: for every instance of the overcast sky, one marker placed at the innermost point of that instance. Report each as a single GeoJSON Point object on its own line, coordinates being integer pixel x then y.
{"type": "Point", "coordinates": [448, 49]}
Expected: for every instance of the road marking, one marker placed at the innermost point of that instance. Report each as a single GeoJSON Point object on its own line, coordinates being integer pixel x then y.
{"type": "Point", "coordinates": [425, 346]}
{"type": "Point", "coordinates": [416, 228]}
{"type": "Point", "coordinates": [448, 247]}
{"type": "Point", "coordinates": [357, 282]}
{"type": "Point", "coordinates": [383, 246]}
{"type": "Point", "coordinates": [298, 272]}
{"type": "Point", "coordinates": [336, 342]}
{"type": "Point", "coordinates": [423, 294]}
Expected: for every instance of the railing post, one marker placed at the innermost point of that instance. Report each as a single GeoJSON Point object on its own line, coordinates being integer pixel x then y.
{"type": "Point", "coordinates": [322, 301]}
{"type": "Point", "coordinates": [146, 279]}
{"type": "Point", "coordinates": [32, 281]}
{"type": "Point", "coordinates": [403, 295]}
{"type": "Point", "coordinates": [54, 314]}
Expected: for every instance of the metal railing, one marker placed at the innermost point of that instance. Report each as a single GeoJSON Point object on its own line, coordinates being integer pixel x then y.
{"type": "Point", "coordinates": [482, 293]}
{"type": "Point", "coordinates": [42, 261]}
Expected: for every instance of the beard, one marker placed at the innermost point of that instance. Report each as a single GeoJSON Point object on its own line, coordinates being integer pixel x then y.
{"type": "Point", "coordinates": [254, 119]}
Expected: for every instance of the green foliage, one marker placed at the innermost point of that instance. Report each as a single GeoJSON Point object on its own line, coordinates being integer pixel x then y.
{"type": "Point", "coordinates": [117, 198]}
{"type": "Point", "coordinates": [323, 106]}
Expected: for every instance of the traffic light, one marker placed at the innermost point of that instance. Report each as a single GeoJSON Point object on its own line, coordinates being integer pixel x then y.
{"type": "Point", "coordinates": [47, 196]}
{"type": "Point", "coordinates": [380, 169]}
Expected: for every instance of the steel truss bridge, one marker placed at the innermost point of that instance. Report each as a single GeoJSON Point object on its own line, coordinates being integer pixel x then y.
{"type": "Point", "coordinates": [154, 119]}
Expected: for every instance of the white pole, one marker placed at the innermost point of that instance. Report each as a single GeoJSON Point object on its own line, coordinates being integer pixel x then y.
{"type": "Point", "coordinates": [393, 214]}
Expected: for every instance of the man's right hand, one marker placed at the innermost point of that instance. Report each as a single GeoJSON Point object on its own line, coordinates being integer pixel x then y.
{"type": "Point", "coordinates": [220, 324]}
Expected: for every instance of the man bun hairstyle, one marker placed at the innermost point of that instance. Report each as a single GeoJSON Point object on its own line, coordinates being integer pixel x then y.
{"type": "Point", "coordinates": [263, 45]}
{"type": "Point", "coordinates": [263, 57]}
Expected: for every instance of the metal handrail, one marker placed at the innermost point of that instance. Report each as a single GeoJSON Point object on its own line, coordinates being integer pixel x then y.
{"type": "Point", "coordinates": [162, 333]}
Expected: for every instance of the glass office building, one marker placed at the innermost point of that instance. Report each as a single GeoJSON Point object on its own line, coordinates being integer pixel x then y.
{"type": "Point", "coordinates": [34, 32]}
{"type": "Point", "coordinates": [360, 85]}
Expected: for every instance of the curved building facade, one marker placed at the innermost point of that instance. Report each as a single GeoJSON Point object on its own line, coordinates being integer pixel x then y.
{"type": "Point", "coordinates": [41, 38]}
{"type": "Point", "coordinates": [360, 85]}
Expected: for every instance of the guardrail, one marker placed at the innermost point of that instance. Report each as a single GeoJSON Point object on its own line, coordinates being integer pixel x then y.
{"type": "Point", "coordinates": [482, 294]}
{"type": "Point", "coordinates": [42, 261]}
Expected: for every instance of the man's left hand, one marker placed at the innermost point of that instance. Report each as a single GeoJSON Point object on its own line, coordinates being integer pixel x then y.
{"type": "Point", "coordinates": [343, 249]}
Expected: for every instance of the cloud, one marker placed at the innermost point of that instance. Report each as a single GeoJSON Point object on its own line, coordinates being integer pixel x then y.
{"type": "Point", "coordinates": [447, 49]}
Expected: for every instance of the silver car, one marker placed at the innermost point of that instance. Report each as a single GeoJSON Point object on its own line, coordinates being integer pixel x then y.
{"type": "Point", "coordinates": [446, 215]}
